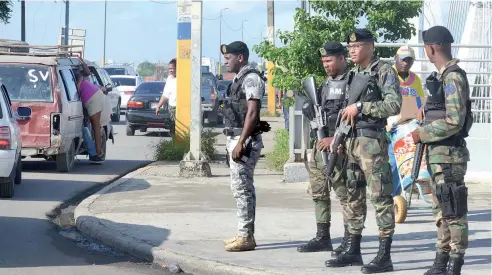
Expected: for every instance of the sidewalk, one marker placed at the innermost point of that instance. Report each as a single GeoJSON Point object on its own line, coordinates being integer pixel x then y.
{"type": "Point", "coordinates": [153, 214]}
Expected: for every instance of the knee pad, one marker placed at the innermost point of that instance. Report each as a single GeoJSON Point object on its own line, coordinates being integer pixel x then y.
{"type": "Point", "coordinates": [453, 199]}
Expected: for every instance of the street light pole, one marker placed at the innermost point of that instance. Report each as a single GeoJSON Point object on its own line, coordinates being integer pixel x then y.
{"type": "Point", "coordinates": [23, 20]}
{"type": "Point", "coordinates": [67, 20]}
{"type": "Point", "coordinates": [220, 40]}
{"type": "Point", "coordinates": [104, 46]}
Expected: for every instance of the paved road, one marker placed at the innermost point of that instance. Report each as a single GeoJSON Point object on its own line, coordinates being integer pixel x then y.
{"type": "Point", "coordinates": [29, 241]}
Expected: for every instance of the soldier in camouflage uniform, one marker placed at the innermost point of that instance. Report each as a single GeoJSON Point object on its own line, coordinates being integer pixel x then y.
{"type": "Point", "coordinates": [333, 58]}
{"type": "Point", "coordinates": [374, 95]}
{"type": "Point", "coordinates": [448, 119]}
{"type": "Point", "coordinates": [241, 115]}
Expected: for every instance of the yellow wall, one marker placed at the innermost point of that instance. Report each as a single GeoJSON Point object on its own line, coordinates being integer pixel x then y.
{"type": "Point", "coordinates": [271, 89]}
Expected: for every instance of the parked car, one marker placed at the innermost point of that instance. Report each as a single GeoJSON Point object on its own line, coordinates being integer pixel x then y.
{"type": "Point", "coordinates": [120, 70]}
{"type": "Point", "coordinates": [141, 109]}
{"type": "Point", "coordinates": [10, 144]}
{"type": "Point", "coordinates": [209, 95]}
{"type": "Point", "coordinates": [46, 84]}
{"type": "Point", "coordinates": [222, 86]}
{"type": "Point", "coordinates": [126, 85]}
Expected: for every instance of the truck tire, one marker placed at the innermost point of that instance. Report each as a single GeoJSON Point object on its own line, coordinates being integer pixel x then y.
{"type": "Point", "coordinates": [116, 116]}
{"type": "Point", "coordinates": [65, 161]}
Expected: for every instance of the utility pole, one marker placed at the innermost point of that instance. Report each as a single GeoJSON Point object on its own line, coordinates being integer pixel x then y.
{"type": "Point", "coordinates": [220, 40]}
{"type": "Point", "coordinates": [104, 47]}
{"type": "Point", "coordinates": [194, 163]}
{"type": "Point", "coordinates": [67, 20]}
{"type": "Point", "coordinates": [303, 5]}
{"type": "Point", "coordinates": [23, 20]}
{"type": "Point", "coordinates": [270, 65]}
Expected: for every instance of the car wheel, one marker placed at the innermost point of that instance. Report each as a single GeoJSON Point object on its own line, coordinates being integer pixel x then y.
{"type": "Point", "coordinates": [129, 130]}
{"type": "Point", "coordinates": [18, 172]}
{"type": "Point", "coordinates": [143, 130]}
{"type": "Point", "coordinates": [65, 161]}
{"type": "Point", "coordinates": [116, 116]}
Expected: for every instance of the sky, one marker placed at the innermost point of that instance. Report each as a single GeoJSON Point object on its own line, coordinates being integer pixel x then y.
{"type": "Point", "coordinates": [145, 30]}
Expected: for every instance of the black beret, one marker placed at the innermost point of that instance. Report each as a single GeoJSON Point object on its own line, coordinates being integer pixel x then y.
{"type": "Point", "coordinates": [331, 48]}
{"type": "Point", "coordinates": [437, 35]}
{"type": "Point", "coordinates": [236, 47]}
{"type": "Point", "coordinates": [360, 35]}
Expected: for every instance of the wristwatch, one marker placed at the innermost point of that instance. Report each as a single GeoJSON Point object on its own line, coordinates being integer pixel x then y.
{"type": "Point", "coordinates": [359, 106]}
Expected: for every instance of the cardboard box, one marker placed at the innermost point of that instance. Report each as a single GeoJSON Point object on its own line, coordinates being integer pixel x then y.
{"type": "Point", "coordinates": [409, 110]}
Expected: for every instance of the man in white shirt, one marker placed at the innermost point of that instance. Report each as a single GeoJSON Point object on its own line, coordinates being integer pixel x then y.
{"type": "Point", "coordinates": [169, 94]}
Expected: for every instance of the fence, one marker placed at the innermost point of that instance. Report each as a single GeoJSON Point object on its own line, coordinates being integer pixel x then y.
{"type": "Point", "coordinates": [478, 66]}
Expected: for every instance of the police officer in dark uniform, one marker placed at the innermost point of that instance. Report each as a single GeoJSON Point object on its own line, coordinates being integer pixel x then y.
{"type": "Point", "coordinates": [332, 95]}
{"type": "Point", "coordinates": [373, 96]}
{"type": "Point", "coordinates": [448, 118]}
{"type": "Point", "coordinates": [244, 141]}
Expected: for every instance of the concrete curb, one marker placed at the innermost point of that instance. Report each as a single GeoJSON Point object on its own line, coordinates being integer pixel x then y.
{"type": "Point", "coordinates": [90, 225]}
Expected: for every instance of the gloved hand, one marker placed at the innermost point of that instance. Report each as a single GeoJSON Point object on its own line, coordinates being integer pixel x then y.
{"type": "Point", "coordinates": [308, 110]}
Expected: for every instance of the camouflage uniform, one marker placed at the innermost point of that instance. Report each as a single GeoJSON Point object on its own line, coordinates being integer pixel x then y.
{"type": "Point", "coordinates": [371, 155]}
{"type": "Point", "coordinates": [318, 189]}
{"type": "Point", "coordinates": [242, 183]}
{"type": "Point", "coordinates": [368, 165]}
{"type": "Point", "coordinates": [452, 233]}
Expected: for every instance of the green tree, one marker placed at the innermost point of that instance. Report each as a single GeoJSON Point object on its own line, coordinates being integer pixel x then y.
{"type": "Point", "coordinates": [298, 58]}
{"type": "Point", "coordinates": [146, 69]}
{"type": "Point", "coordinates": [5, 11]}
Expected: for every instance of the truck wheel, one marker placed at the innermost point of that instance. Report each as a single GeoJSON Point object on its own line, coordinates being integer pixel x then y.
{"type": "Point", "coordinates": [401, 209]}
{"type": "Point", "coordinates": [18, 172]}
{"type": "Point", "coordinates": [116, 116]}
{"type": "Point", "coordinates": [129, 130]}
{"type": "Point", "coordinates": [65, 161]}
{"type": "Point", "coordinates": [143, 130]}
{"type": "Point", "coordinates": [7, 189]}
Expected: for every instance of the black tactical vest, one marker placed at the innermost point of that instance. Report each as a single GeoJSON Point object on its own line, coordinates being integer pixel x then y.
{"type": "Point", "coordinates": [236, 108]}
{"type": "Point", "coordinates": [364, 88]}
{"type": "Point", "coordinates": [435, 106]}
{"type": "Point", "coordinates": [333, 96]}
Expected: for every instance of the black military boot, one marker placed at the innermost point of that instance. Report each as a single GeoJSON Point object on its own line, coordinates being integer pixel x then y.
{"type": "Point", "coordinates": [439, 266]}
{"type": "Point", "coordinates": [350, 254]}
{"type": "Point", "coordinates": [454, 265]}
{"type": "Point", "coordinates": [339, 249]}
{"type": "Point", "coordinates": [322, 241]}
{"type": "Point", "coordinates": [382, 262]}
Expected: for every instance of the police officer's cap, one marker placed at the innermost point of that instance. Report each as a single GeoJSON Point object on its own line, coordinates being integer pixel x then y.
{"type": "Point", "coordinates": [360, 35]}
{"type": "Point", "coordinates": [437, 35]}
{"type": "Point", "coordinates": [236, 47]}
{"type": "Point", "coordinates": [331, 48]}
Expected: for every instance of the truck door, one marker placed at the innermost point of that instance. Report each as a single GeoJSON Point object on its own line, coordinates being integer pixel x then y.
{"type": "Point", "coordinates": [72, 112]}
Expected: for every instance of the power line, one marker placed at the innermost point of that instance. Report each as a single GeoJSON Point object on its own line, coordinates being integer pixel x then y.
{"type": "Point", "coordinates": [231, 28]}
{"type": "Point", "coordinates": [163, 3]}
{"type": "Point", "coordinates": [204, 18]}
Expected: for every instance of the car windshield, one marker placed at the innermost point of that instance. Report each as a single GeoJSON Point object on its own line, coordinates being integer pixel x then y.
{"type": "Point", "coordinates": [150, 88]}
{"type": "Point", "coordinates": [223, 85]}
{"type": "Point", "coordinates": [115, 71]}
{"type": "Point", "coordinates": [27, 82]}
{"type": "Point", "coordinates": [208, 79]}
{"type": "Point", "coordinates": [125, 81]}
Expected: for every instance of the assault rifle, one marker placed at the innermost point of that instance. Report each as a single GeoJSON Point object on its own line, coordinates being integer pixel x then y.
{"type": "Point", "coordinates": [341, 133]}
{"type": "Point", "coordinates": [309, 85]}
{"type": "Point", "coordinates": [417, 161]}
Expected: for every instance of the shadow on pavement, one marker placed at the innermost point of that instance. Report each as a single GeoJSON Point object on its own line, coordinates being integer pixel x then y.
{"type": "Point", "coordinates": [52, 249]}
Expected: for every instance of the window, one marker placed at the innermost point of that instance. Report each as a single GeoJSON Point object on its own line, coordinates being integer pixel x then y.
{"type": "Point", "coordinates": [115, 71]}
{"type": "Point", "coordinates": [26, 82]}
{"type": "Point", "coordinates": [150, 88]}
{"type": "Point", "coordinates": [106, 78]}
{"type": "Point", "coordinates": [7, 101]}
{"type": "Point", "coordinates": [125, 81]}
{"type": "Point", "coordinates": [70, 84]}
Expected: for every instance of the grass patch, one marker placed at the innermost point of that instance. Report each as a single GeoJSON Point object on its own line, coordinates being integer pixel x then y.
{"type": "Point", "coordinates": [173, 150]}
{"type": "Point", "coordinates": [280, 154]}
{"type": "Point", "coordinates": [268, 114]}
